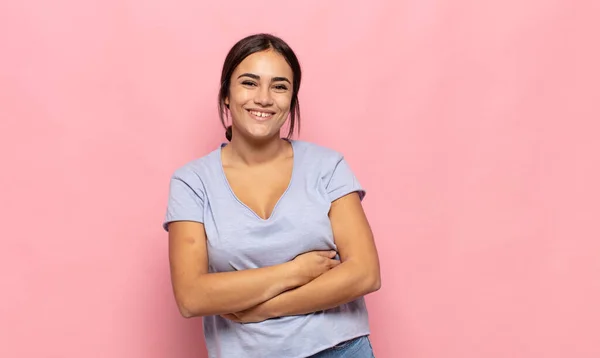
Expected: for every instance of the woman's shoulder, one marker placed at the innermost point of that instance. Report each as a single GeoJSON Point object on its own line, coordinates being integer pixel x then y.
{"type": "Point", "coordinates": [317, 151]}
{"type": "Point", "coordinates": [197, 168]}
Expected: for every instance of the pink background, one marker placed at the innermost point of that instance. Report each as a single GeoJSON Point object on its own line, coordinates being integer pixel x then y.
{"type": "Point", "coordinates": [474, 126]}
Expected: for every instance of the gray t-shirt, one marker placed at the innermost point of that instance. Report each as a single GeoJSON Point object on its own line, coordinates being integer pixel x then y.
{"type": "Point", "coordinates": [238, 239]}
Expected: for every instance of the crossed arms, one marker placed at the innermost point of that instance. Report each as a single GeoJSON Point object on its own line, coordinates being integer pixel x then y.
{"type": "Point", "coordinates": [287, 289]}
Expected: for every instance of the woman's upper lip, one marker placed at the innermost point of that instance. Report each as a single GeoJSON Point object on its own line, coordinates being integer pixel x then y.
{"type": "Point", "coordinates": [260, 110]}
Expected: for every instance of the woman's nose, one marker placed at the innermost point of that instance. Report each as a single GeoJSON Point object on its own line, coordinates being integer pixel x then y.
{"type": "Point", "coordinates": [263, 97]}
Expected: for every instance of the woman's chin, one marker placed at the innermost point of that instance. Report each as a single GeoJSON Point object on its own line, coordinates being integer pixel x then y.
{"type": "Point", "coordinates": [262, 133]}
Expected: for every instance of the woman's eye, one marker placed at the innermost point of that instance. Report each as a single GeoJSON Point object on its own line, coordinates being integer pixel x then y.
{"type": "Point", "coordinates": [248, 83]}
{"type": "Point", "coordinates": [281, 87]}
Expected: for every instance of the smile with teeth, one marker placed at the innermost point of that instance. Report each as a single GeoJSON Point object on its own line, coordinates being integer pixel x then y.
{"type": "Point", "coordinates": [261, 115]}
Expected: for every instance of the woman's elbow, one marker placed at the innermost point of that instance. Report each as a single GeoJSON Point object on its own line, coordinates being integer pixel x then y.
{"type": "Point", "coordinates": [367, 283]}
{"type": "Point", "coordinates": [368, 279]}
{"type": "Point", "coordinates": [372, 280]}
{"type": "Point", "coordinates": [185, 313]}
{"type": "Point", "coordinates": [186, 310]}
{"type": "Point", "coordinates": [376, 284]}
{"type": "Point", "coordinates": [187, 305]}
{"type": "Point", "coordinates": [373, 283]}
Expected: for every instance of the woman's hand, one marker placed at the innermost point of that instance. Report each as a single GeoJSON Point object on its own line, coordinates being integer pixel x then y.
{"type": "Point", "coordinates": [313, 264]}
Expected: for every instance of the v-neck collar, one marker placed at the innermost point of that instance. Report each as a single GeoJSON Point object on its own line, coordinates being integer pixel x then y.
{"type": "Point", "coordinates": [226, 182]}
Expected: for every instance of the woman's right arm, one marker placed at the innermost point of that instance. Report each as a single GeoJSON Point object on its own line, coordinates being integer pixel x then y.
{"type": "Point", "coordinates": [199, 293]}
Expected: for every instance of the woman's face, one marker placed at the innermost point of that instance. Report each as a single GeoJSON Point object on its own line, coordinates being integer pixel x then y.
{"type": "Point", "coordinates": [260, 94]}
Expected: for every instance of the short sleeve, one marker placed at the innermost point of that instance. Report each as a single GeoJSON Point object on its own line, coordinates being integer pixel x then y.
{"type": "Point", "coordinates": [343, 181]}
{"type": "Point", "coordinates": [186, 199]}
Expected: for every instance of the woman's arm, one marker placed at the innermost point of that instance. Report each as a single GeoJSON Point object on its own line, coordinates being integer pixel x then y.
{"type": "Point", "coordinates": [356, 276]}
{"type": "Point", "coordinates": [199, 293]}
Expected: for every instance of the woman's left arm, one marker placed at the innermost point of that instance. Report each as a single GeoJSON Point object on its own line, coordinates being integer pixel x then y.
{"type": "Point", "coordinates": [356, 276]}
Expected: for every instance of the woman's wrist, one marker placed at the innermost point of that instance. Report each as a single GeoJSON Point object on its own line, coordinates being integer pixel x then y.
{"type": "Point", "coordinates": [293, 276]}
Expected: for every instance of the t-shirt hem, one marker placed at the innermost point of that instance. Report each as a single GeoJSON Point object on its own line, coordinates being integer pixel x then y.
{"type": "Point", "coordinates": [323, 348]}
{"type": "Point", "coordinates": [167, 222]}
{"type": "Point", "coordinates": [335, 196]}
{"type": "Point", "coordinates": [319, 349]}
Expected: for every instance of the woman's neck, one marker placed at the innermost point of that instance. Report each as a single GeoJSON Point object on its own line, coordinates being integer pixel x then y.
{"type": "Point", "coordinates": [248, 153]}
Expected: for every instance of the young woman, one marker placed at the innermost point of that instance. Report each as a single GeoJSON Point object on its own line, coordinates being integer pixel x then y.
{"type": "Point", "coordinates": [268, 240]}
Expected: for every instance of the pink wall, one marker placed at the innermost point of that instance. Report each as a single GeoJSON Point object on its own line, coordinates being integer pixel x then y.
{"type": "Point", "coordinates": [473, 125]}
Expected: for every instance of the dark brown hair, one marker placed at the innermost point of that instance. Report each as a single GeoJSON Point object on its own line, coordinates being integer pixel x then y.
{"type": "Point", "coordinates": [246, 47]}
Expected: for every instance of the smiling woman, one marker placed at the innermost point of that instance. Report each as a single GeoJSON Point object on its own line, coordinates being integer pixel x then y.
{"type": "Point", "coordinates": [268, 241]}
{"type": "Point", "coordinates": [260, 94]}
{"type": "Point", "coordinates": [261, 75]}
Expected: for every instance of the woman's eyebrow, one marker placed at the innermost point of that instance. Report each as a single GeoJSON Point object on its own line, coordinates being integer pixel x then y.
{"type": "Point", "coordinates": [257, 77]}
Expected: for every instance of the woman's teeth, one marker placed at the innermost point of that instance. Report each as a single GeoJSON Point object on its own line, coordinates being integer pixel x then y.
{"type": "Point", "coordinates": [261, 114]}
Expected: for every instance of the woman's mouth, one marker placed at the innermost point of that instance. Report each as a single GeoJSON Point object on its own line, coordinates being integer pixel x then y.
{"type": "Point", "coordinates": [260, 115]}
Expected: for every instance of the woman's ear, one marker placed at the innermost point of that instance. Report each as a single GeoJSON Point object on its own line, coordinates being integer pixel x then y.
{"type": "Point", "coordinates": [227, 102]}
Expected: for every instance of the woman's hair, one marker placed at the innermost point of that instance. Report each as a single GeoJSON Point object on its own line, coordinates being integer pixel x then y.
{"type": "Point", "coordinates": [246, 47]}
